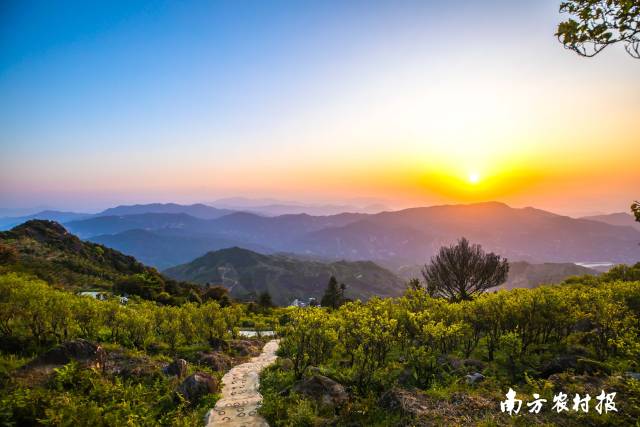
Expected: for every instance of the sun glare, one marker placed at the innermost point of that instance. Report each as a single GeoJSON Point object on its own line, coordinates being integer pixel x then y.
{"type": "Point", "coordinates": [474, 178]}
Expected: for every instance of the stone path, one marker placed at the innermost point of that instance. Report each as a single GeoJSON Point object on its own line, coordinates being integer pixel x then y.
{"type": "Point", "coordinates": [240, 400]}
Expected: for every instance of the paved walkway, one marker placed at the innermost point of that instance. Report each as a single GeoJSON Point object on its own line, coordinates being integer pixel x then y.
{"type": "Point", "coordinates": [240, 400]}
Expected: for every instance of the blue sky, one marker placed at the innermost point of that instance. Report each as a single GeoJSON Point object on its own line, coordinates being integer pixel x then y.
{"type": "Point", "coordinates": [108, 102]}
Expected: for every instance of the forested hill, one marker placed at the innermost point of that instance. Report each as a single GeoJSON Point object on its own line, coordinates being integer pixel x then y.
{"type": "Point", "coordinates": [47, 250]}
{"type": "Point", "coordinates": [522, 274]}
{"type": "Point", "coordinates": [286, 277]}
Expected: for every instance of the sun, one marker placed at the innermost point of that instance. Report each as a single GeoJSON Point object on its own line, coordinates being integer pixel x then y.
{"type": "Point", "coordinates": [474, 178]}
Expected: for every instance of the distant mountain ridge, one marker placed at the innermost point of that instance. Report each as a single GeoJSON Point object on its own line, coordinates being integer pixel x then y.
{"type": "Point", "coordinates": [112, 224]}
{"type": "Point", "coordinates": [286, 278]}
{"type": "Point", "coordinates": [163, 249]}
{"type": "Point", "coordinates": [197, 210]}
{"type": "Point", "coordinates": [394, 238]}
{"type": "Point", "coordinates": [517, 233]}
{"type": "Point", "coordinates": [622, 219]}
{"type": "Point", "coordinates": [274, 207]}
{"type": "Point", "coordinates": [49, 215]}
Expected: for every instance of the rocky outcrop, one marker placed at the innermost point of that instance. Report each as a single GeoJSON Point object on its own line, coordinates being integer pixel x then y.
{"type": "Point", "coordinates": [558, 365]}
{"type": "Point", "coordinates": [79, 350]}
{"type": "Point", "coordinates": [323, 390]}
{"type": "Point", "coordinates": [246, 347]}
{"type": "Point", "coordinates": [216, 360]}
{"type": "Point", "coordinates": [196, 386]}
{"type": "Point", "coordinates": [177, 368]}
{"type": "Point", "coordinates": [474, 378]}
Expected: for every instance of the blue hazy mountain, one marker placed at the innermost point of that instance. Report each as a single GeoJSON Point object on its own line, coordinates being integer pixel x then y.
{"type": "Point", "coordinates": [198, 210]}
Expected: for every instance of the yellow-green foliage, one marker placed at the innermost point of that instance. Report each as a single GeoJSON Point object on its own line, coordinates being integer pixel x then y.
{"type": "Point", "coordinates": [35, 312]}
{"type": "Point", "coordinates": [424, 342]}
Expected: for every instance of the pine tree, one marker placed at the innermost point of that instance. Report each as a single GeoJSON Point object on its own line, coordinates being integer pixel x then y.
{"type": "Point", "coordinates": [331, 297]}
{"type": "Point", "coordinates": [265, 300]}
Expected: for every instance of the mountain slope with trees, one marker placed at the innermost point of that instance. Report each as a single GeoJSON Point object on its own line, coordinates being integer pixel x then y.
{"type": "Point", "coordinates": [286, 278]}
{"type": "Point", "coordinates": [48, 251]}
{"type": "Point", "coordinates": [165, 248]}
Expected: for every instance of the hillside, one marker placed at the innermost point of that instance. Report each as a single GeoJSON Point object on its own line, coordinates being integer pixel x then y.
{"type": "Point", "coordinates": [47, 250]}
{"type": "Point", "coordinates": [148, 221]}
{"type": "Point", "coordinates": [521, 274]}
{"type": "Point", "coordinates": [248, 273]}
{"type": "Point", "coordinates": [622, 219]}
{"type": "Point", "coordinates": [163, 250]}
{"type": "Point", "coordinates": [525, 275]}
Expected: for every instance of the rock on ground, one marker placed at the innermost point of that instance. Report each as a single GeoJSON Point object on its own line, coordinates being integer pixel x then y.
{"type": "Point", "coordinates": [177, 368]}
{"type": "Point", "coordinates": [216, 360]}
{"type": "Point", "coordinates": [323, 390]}
{"type": "Point", "coordinates": [80, 350]}
{"type": "Point", "coordinates": [195, 386]}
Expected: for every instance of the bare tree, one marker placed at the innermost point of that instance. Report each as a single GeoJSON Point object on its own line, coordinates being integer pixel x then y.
{"type": "Point", "coordinates": [462, 271]}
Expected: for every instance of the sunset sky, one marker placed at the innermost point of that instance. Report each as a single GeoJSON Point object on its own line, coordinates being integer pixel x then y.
{"type": "Point", "coordinates": [412, 103]}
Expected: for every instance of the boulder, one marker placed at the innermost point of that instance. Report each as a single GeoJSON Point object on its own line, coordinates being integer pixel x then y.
{"type": "Point", "coordinates": [196, 386]}
{"type": "Point", "coordinates": [125, 364]}
{"type": "Point", "coordinates": [323, 390]}
{"type": "Point", "coordinates": [177, 368]}
{"type": "Point", "coordinates": [246, 347]}
{"type": "Point", "coordinates": [558, 365]}
{"type": "Point", "coordinates": [286, 364]}
{"type": "Point", "coordinates": [474, 378]}
{"type": "Point", "coordinates": [216, 360]}
{"type": "Point", "coordinates": [219, 344]}
{"type": "Point", "coordinates": [79, 350]}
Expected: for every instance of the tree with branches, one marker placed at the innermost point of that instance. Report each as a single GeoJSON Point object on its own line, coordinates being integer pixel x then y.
{"type": "Point", "coordinates": [635, 208]}
{"type": "Point", "coordinates": [596, 24]}
{"type": "Point", "coordinates": [462, 271]}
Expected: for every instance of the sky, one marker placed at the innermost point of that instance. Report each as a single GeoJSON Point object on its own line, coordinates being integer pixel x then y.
{"type": "Point", "coordinates": [412, 103]}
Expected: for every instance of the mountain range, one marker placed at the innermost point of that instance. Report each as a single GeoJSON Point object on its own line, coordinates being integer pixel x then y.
{"type": "Point", "coordinates": [398, 238]}
{"type": "Point", "coordinates": [47, 250]}
{"type": "Point", "coordinates": [165, 235]}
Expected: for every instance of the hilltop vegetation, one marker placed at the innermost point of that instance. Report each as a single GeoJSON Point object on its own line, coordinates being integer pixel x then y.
{"type": "Point", "coordinates": [418, 360]}
{"type": "Point", "coordinates": [45, 249]}
{"type": "Point", "coordinates": [123, 380]}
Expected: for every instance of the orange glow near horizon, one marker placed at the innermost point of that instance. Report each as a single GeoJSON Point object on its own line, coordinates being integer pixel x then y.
{"type": "Point", "coordinates": [399, 114]}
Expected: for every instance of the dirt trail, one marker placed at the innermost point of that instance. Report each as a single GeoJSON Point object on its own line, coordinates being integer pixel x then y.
{"type": "Point", "coordinates": [240, 400]}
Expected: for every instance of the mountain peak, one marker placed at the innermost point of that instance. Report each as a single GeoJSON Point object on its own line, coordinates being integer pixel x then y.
{"type": "Point", "coordinates": [41, 230]}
